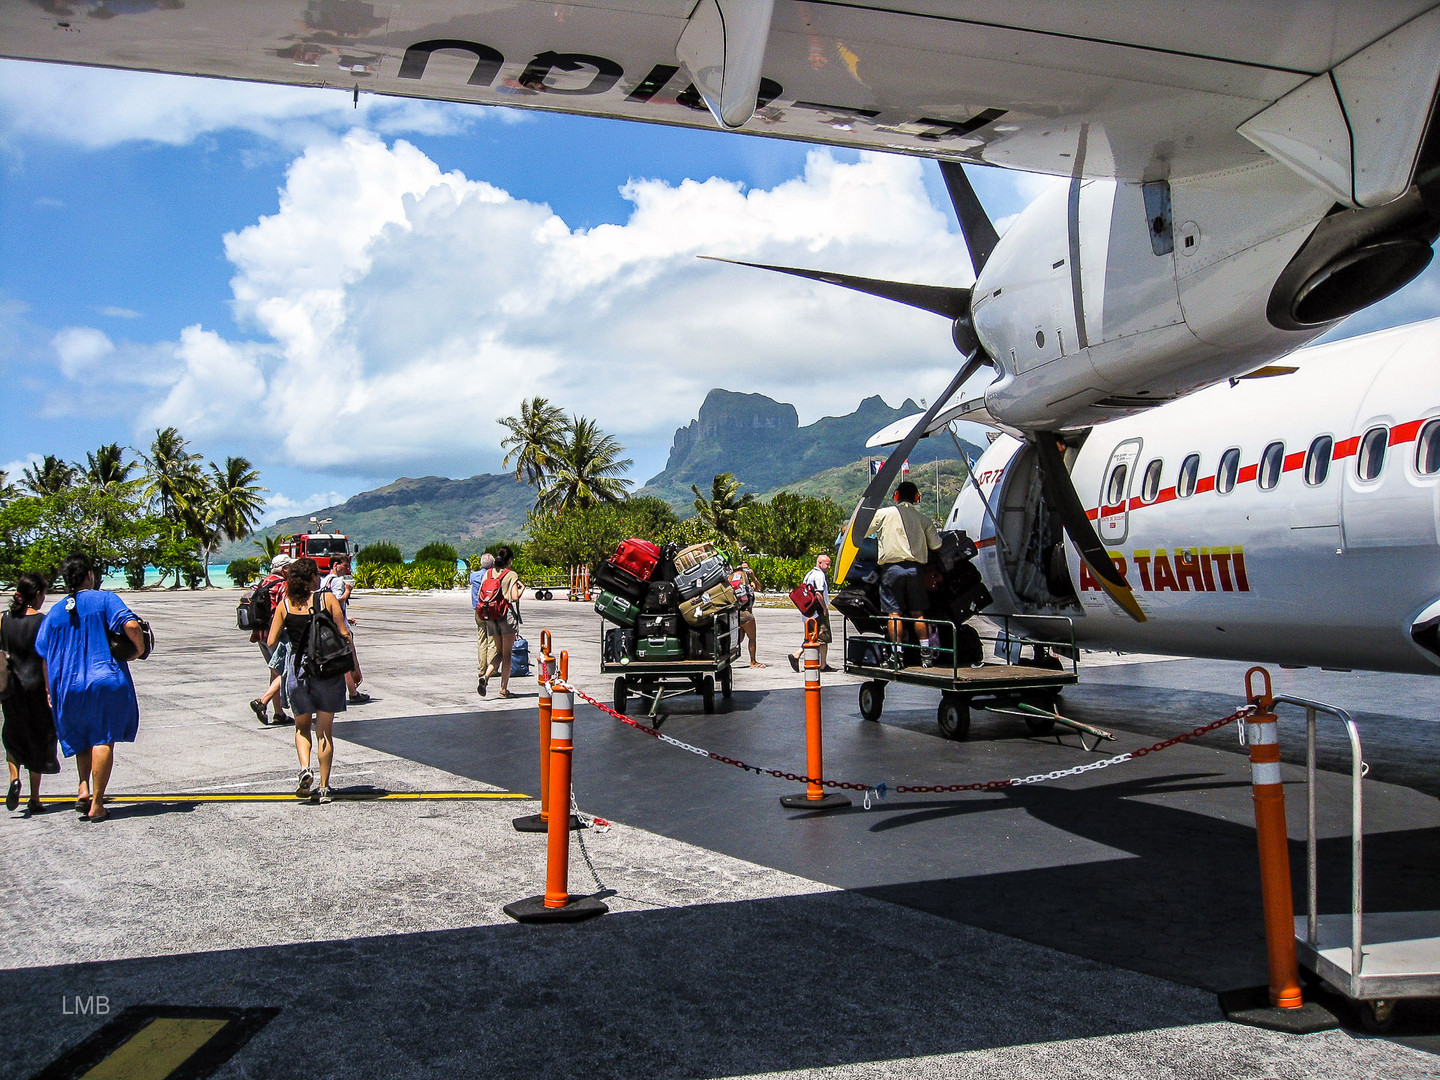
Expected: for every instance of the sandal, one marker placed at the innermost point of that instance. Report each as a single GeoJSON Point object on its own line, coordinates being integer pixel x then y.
{"type": "Point", "coordinates": [754, 664]}
{"type": "Point", "coordinates": [258, 708]}
{"type": "Point", "coordinates": [82, 804]}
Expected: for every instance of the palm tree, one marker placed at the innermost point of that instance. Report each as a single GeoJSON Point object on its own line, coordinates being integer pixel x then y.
{"type": "Point", "coordinates": [587, 470]}
{"type": "Point", "coordinates": [724, 505]}
{"type": "Point", "coordinates": [107, 469]}
{"type": "Point", "coordinates": [226, 507]}
{"type": "Point", "coordinates": [50, 477]}
{"type": "Point", "coordinates": [270, 545]}
{"type": "Point", "coordinates": [7, 489]}
{"type": "Point", "coordinates": [536, 439]}
{"type": "Point", "coordinates": [172, 472]}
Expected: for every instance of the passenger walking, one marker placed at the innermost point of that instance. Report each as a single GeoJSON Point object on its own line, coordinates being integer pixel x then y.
{"type": "Point", "coordinates": [310, 697]}
{"type": "Point", "coordinates": [91, 693]}
{"type": "Point", "coordinates": [746, 585]}
{"type": "Point", "coordinates": [495, 593]}
{"type": "Point", "coordinates": [340, 582]}
{"type": "Point", "coordinates": [906, 538]}
{"type": "Point", "coordinates": [817, 578]}
{"type": "Point", "coordinates": [29, 732]}
{"type": "Point", "coordinates": [273, 586]}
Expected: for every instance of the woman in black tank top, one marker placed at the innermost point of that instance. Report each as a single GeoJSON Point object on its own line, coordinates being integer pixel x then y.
{"type": "Point", "coordinates": [318, 698]}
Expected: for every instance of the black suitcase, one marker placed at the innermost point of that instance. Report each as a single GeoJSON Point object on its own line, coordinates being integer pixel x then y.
{"type": "Point", "coordinates": [620, 582]}
{"type": "Point", "coordinates": [658, 626]}
{"type": "Point", "coordinates": [700, 642]}
{"type": "Point", "coordinates": [661, 598]}
{"type": "Point", "coordinates": [861, 608]}
{"type": "Point", "coordinates": [619, 645]}
{"type": "Point", "coordinates": [866, 651]}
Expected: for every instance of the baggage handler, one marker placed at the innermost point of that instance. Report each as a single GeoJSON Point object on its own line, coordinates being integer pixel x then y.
{"type": "Point", "coordinates": [906, 538]}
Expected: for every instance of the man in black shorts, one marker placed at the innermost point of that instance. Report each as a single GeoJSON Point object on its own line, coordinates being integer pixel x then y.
{"type": "Point", "coordinates": [906, 537]}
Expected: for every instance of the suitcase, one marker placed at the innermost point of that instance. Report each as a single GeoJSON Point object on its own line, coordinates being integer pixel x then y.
{"type": "Point", "coordinates": [636, 557]}
{"type": "Point", "coordinates": [612, 579]}
{"type": "Point", "coordinates": [620, 610]}
{"type": "Point", "coordinates": [860, 607]}
{"type": "Point", "coordinates": [688, 558]}
{"type": "Point", "coordinates": [658, 648]}
{"type": "Point", "coordinates": [661, 598]}
{"type": "Point", "coordinates": [866, 651]}
{"type": "Point", "coordinates": [700, 642]}
{"type": "Point", "coordinates": [619, 645]}
{"type": "Point", "coordinates": [700, 610]}
{"type": "Point", "coordinates": [658, 626]}
{"type": "Point", "coordinates": [702, 577]}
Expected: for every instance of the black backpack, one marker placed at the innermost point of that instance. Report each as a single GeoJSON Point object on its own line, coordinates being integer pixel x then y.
{"type": "Point", "coordinates": [262, 606]}
{"type": "Point", "coordinates": [327, 652]}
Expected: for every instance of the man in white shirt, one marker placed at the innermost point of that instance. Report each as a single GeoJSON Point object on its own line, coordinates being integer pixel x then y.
{"type": "Point", "coordinates": [817, 577]}
{"type": "Point", "coordinates": [906, 537]}
{"type": "Point", "coordinates": [339, 582]}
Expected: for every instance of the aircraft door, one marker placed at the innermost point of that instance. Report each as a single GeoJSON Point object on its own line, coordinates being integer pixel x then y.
{"type": "Point", "coordinates": [1115, 492]}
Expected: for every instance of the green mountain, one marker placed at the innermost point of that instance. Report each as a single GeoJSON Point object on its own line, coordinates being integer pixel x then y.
{"type": "Point", "coordinates": [846, 483]}
{"type": "Point", "coordinates": [761, 442]}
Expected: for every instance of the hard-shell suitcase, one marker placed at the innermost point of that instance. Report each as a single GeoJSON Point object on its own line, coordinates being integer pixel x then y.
{"type": "Point", "coordinates": [688, 558]}
{"type": "Point", "coordinates": [612, 579]}
{"type": "Point", "coordinates": [700, 610]}
{"type": "Point", "coordinates": [866, 651]}
{"type": "Point", "coordinates": [658, 648]}
{"type": "Point", "coordinates": [620, 610]}
{"type": "Point", "coordinates": [703, 576]}
{"type": "Point", "coordinates": [700, 642]}
{"type": "Point", "coordinates": [619, 645]}
{"type": "Point", "coordinates": [658, 626]}
{"type": "Point", "coordinates": [661, 598]}
{"type": "Point", "coordinates": [636, 557]}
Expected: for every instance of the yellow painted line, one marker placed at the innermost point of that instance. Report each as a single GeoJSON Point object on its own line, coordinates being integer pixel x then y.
{"type": "Point", "coordinates": [339, 796]}
{"type": "Point", "coordinates": [157, 1049]}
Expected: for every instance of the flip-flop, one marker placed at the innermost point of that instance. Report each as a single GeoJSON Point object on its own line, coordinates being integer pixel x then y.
{"type": "Point", "coordinates": [82, 804]}
{"type": "Point", "coordinates": [759, 665]}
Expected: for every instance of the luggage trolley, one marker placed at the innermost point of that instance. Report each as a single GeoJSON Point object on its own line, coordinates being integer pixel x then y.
{"type": "Point", "coordinates": [655, 680]}
{"type": "Point", "coordinates": [1401, 959]}
{"type": "Point", "coordinates": [1010, 683]}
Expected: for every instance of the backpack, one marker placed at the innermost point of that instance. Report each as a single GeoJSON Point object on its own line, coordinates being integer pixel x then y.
{"type": "Point", "coordinates": [490, 601]}
{"type": "Point", "coordinates": [261, 605]}
{"type": "Point", "coordinates": [519, 657]}
{"type": "Point", "coordinates": [327, 652]}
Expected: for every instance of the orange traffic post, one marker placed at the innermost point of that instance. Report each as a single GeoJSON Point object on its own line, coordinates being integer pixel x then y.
{"type": "Point", "coordinates": [539, 823]}
{"type": "Point", "coordinates": [1262, 735]}
{"type": "Point", "coordinates": [814, 797]}
{"type": "Point", "coordinates": [556, 904]}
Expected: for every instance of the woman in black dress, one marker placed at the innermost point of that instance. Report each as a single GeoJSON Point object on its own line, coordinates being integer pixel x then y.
{"type": "Point", "coordinates": [29, 731]}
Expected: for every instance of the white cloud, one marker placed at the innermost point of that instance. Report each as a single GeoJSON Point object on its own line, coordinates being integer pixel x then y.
{"type": "Point", "coordinates": [118, 312]}
{"type": "Point", "coordinates": [13, 470]}
{"type": "Point", "coordinates": [82, 350]}
{"type": "Point", "coordinates": [279, 505]}
{"type": "Point", "coordinates": [95, 108]}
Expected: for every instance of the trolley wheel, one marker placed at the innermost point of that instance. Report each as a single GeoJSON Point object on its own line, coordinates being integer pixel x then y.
{"type": "Point", "coordinates": [622, 691]}
{"type": "Point", "coordinates": [727, 683]}
{"type": "Point", "coordinates": [547, 595]}
{"type": "Point", "coordinates": [872, 699]}
{"type": "Point", "coordinates": [953, 716]}
{"type": "Point", "coordinates": [707, 693]}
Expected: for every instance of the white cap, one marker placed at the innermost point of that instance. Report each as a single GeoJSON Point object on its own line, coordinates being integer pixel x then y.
{"type": "Point", "coordinates": [279, 562]}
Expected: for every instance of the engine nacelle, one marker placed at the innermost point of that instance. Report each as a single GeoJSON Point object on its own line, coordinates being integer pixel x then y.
{"type": "Point", "coordinates": [1107, 298]}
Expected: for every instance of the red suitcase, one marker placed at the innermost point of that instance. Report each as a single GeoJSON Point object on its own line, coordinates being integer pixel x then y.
{"type": "Point", "coordinates": [637, 558]}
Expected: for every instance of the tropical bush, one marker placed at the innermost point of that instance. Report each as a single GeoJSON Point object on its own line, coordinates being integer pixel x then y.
{"type": "Point", "coordinates": [242, 571]}
{"type": "Point", "coordinates": [587, 537]}
{"type": "Point", "coordinates": [437, 552]}
{"type": "Point", "coordinates": [431, 575]}
{"type": "Point", "coordinates": [380, 552]}
{"type": "Point", "coordinates": [778, 575]}
{"type": "Point", "coordinates": [790, 526]}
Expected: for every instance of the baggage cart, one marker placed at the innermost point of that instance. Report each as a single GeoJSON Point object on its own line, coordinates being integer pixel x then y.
{"type": "Point", "coordinates": [652, 681]}
{"type": "Point", "coordinates": [549, 588]}
{"type": "Point", "coordinates": [1008, 680]}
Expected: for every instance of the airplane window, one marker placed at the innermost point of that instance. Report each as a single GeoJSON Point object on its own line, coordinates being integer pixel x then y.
{"type": "Point", "coordinates": [1229, 469]}
{"type": "Point", "coordinates": [1371, 458]}
{"type": "Point", "coordinates": [1317, 460]}
{"type": "Point", "coordinates": [1116, 489]}
{"type": "Point", "coordinates": [1189, 476]}
{"type": "Point", "coordinates": [1271, 462]}
{"type": "Point", "coordinates": [1150, 486]}
{"type": "Point", "coordinates": [1427, 449]}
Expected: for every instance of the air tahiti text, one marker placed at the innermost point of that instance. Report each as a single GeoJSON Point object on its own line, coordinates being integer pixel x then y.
{"type": "Point", "coordinates": [1206, 569]}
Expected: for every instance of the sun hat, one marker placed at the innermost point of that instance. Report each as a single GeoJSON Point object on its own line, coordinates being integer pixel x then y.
{"type": "Point", "coordinates": [279, 562]}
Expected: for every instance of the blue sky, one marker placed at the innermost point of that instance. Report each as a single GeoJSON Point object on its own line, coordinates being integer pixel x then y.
{"type": "Point", "coordinates": [349, 295]}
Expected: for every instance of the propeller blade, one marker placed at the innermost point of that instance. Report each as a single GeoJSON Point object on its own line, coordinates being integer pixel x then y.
{"type": "Point", "coordinates": [980, 234]}
{"type": "Point", "coordinates": [949, 301]}
{"type": "Point", "coordinates": [880, 483]}
{"type": "Point", "coordinates": [1060, 493]}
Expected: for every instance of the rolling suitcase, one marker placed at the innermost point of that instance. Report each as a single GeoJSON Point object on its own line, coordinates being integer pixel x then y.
{"type": "Point", "coordinates": [658, 626]}
{"type": "Point", "coordinates": [700, 610]}
{"type": "Point", "coordinates": [658, 648]}
{"type": "Point", "coordinates": [612, 579]}
{"type": "Point", "coordinates": [687, 558]}
{"type": "Point", "coordinates": [866, 651]}
{"type": "Point", "coordinates": [620, 610]}
{"type": "Point", "coordinates": [702, 577]}
{"type": "Point", "coordinates": [661, 598]}
{"type": "Point", "coordinates": [636, 557]}
{"type": "Point", "coordinates": [700, 642]}
{"type": "Point", "coordinates": [619, 645]}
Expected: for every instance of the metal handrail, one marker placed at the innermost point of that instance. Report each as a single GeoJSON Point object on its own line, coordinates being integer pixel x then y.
{"type": "Point", "coordinates": [1357, 832]}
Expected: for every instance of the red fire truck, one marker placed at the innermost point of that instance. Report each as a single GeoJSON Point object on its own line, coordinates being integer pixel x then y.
{"type": "Point", "coordinates": [322, 547]}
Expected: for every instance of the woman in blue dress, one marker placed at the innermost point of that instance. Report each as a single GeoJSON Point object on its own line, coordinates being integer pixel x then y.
{"type": "Point", "coordinates": [91, 692]}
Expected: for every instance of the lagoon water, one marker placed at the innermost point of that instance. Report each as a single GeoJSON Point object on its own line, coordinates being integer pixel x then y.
{"type": "Point", "coordinates": [115, 580]}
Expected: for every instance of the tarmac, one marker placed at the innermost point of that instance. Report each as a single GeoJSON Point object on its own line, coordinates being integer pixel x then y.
{"type": "Point", "coordinates": [1081, 927]}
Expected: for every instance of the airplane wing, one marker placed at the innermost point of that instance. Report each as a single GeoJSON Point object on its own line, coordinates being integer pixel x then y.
{"type": "Point", "coordinates": [973, 410]}
{"type": "Point", "coordinates": [1096, 89]}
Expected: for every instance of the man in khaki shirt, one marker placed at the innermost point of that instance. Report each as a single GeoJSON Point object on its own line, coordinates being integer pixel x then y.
{"type": "Point", "coordinates": [906, 538]}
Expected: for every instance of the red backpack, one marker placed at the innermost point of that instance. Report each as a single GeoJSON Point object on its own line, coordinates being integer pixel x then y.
{"type": "Point", "coordinates": [490, 602]}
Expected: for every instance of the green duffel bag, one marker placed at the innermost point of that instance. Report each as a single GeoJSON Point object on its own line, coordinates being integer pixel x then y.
{"type": "Point", "coordinates": [620, 610]}
{"type": "Point", "coordinates": [658, 648]}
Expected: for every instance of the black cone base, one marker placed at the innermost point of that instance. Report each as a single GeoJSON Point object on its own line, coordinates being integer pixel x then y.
{"type": "Point", "coordinates": [533, 823]}
{"type": "Point", "coordinates": [533, 910]}
{"type": "Point", "coordinates": [1252, 1006]}
{"type": "Point", "coordinates": [831, 801]}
